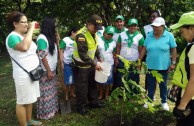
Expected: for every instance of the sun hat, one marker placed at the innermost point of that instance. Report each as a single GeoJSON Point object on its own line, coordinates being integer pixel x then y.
{"type": "Point", "coordinates": [132, 21]}
{"type": "Point", "coordinates": [185, 19]}
{"type": "Point", "coordinates": [119, 17]}
{"type": "Point", "coordinates": [158, 22]}
{"type": "Point", "coordinates": [96, 20]}
{"type": "Point", "coordinates": [110, 30]}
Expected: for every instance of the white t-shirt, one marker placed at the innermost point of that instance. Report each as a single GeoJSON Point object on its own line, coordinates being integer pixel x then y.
{"type": "Point", "coordinates": [147, 29]}
{"type": "Point", "coordinates": [100, 32]}
{"type": "Point", "coordinates": [131, 53]}
{"type": "Point", "coordinates": [107, 55]}
{"type": "Point", "coordinates": [68, 51]}
{"type": "Point", "coordinates": [116, 34]}
{"type": "Point", "coordinates": [52, 59]}
{"type": "Point", "coordinates": [28, 60]}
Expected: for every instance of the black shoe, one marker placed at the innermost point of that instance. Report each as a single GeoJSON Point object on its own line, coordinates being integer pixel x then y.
{"type": "Point", "coordinates": [82, 111]}
{"type": "Point", "coordinates": [97, 105]}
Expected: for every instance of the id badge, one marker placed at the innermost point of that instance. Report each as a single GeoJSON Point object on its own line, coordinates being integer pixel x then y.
{"type": "Point", "coordinates": [128, 51]}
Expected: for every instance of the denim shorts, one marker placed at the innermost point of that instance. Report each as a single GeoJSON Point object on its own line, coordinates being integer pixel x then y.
{"type": "Point", "coordinates": [68, 74]}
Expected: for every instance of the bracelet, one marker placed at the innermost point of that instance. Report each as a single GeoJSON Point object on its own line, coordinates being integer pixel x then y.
{"type": "Point", "coordinates": [173, 62]}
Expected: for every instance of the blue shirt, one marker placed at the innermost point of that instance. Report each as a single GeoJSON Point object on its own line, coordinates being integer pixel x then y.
{"type": "Point", "coordinates": [158, 50]}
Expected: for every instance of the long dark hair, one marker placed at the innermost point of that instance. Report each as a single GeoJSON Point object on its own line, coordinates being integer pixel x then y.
{"type": "Point", "coordinates": [47, 28]}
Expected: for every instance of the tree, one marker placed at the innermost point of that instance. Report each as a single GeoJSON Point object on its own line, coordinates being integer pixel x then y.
{"type": "Point", "coordinates": [69, 13]}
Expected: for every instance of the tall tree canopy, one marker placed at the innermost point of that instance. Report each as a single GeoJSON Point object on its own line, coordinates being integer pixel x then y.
{"type": "Point", "coordinates": [75, 12]}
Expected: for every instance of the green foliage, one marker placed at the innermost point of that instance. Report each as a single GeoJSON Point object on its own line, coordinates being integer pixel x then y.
{"type": "Point", "coordinates": [181, 43]}
{"type": "Point", "coordinates": [126, 94]}
{"type": "Point", "coordinates": [70, 13]}
{"type": "Point", "coordinates": [157, 75]}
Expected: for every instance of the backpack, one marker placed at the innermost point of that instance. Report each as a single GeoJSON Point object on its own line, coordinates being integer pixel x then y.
{"type": "Point", "coordinates": [187, 66]}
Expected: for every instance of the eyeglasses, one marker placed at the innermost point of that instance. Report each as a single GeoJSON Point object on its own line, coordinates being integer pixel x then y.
{"type": "Point", "coordinates": [23, 22]}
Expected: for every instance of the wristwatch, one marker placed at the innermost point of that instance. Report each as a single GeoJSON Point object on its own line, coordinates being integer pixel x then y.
{"type": "Point", "coordinates": [173, 62]}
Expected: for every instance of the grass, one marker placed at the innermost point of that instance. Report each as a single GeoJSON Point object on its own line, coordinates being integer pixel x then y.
{"type": "Point", "coordinates": [95, 117]}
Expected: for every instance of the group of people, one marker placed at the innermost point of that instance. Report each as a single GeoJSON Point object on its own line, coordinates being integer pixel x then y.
{"type": "Point", "coordinates": [80, 53]}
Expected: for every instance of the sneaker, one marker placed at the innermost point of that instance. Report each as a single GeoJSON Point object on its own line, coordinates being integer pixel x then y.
{"type": "Point", "coordinates": [165, 106]}
{"type": "Point", "coordinates": [146, 105]}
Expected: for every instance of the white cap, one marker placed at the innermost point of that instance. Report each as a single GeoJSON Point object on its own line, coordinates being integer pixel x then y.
{"type": "Point", "coordinates": [158, 22]}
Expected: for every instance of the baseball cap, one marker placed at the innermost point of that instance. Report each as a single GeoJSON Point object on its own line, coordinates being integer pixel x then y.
{"type": "Point", "coordinates": [185, 19]}
{"type": "Point", "coordinates": [158, 22]}
{"type": "Point", "coordinates": [119, 17]}
{"type": "Point", "coordinates": [110, 30]}
{"type": "Point", "coordinates": [132, 21]}
{"type": "Point", "coordinates": [96, 20]}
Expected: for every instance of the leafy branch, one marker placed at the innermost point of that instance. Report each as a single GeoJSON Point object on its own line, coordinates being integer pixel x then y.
{"type": "Point", "coordinates": [125, 94]}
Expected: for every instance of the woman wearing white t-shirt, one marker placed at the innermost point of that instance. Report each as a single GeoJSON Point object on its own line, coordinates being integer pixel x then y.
{"type": "Point", "coordinates": [106, 46]}
{"type": "Point", "coordinates": [66, 52]}
{"type": "Point", "coordinates": [47, 104]}
{"type": "Point", "coordinates": [23, 50]}
{"type": "Point", "coordinates": [130, 44]}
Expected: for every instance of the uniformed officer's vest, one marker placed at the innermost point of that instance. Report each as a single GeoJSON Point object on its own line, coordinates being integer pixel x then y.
{"type": "Point", "coordinates": [182, 72]}
{"type": "Point", "coordinates": [92, 45]}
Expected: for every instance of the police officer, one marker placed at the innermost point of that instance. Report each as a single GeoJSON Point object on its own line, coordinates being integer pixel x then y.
{"type": "Point", "coordinates": [84, 66]}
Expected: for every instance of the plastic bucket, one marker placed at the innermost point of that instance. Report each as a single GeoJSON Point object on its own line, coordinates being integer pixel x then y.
{"type": "Point", "coordinates": [105, 66]}
{"type": "Point", "coordinates": [102, 76]}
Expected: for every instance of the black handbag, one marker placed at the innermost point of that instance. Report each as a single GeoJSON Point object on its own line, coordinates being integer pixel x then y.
{"type": "Point", "coordinates": [35, 74]}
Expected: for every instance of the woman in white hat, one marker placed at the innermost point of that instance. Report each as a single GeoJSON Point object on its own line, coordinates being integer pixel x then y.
{"type": "Point", "coordinates": [159, 46]}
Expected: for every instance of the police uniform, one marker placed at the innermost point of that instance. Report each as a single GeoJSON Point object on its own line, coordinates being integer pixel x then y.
{"type": "Point", "coordinates": [85, 50]}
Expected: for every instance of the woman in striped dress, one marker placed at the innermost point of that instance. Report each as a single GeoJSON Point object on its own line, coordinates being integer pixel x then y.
{"type": "Point", "coordinates": [47, 104]}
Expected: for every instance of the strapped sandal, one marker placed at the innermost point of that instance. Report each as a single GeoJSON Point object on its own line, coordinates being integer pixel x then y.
{"type": "Point", "coordinates": [34, 123]}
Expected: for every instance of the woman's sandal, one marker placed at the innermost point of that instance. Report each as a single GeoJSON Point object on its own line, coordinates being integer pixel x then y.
{"type": "Point", "coordinates": [34, 123]}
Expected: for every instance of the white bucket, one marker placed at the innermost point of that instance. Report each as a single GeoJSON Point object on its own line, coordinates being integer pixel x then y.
{"type": "Point", "coordinates": [105, 66]}
{"type": "Point", "coordinates": [102, 76]}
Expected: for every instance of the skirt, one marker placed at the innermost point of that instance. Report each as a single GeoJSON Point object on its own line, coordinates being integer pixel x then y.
{"type": "Point", "coordinates": [27, 91]}
{"type": "Point", "coordinates": [47, 104]}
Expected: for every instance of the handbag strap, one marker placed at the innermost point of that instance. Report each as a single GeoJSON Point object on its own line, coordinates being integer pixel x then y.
{"type": "Point", "coordinates": [20, 65]}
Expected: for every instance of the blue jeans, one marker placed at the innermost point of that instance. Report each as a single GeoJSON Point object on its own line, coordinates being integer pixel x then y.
{"type": "Point", "coordinates": [131, 75]}
{"type": "Point", "coordinates": [152, 85]}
